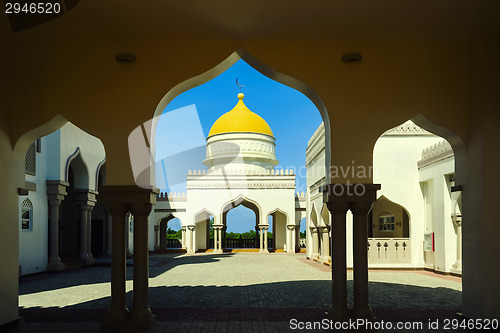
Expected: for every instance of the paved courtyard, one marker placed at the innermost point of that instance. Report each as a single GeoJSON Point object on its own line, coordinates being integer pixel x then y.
{"type": "Point", "coordinates": [233, 292]}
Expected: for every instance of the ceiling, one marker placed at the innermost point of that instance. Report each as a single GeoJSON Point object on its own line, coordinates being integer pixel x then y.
{"type": "Point", "coordinates": [129, 20]}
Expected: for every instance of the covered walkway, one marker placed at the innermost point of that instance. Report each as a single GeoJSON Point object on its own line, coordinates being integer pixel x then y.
{"type": "Point", "coordinates": [233, 292]}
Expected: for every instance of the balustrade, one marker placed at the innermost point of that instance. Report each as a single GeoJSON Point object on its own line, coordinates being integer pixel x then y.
{"type": "Point", "coordinates": [388, 250]}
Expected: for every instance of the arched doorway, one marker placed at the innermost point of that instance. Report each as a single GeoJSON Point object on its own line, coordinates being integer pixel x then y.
{"type": "Point", "coordinates": [236, 241]}
{"type": "Point", "coordinates": [203, 222]}
{"type": "Point", "coordinates": [280, 233]}
{"type": "Point", "coordinates": [74, 236]}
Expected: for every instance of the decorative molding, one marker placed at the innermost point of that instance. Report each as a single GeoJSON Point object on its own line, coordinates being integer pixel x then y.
{"type": "Point", "coordinates": [407, 129]}
{"type": "Point", "coordinates": [239, 185]}
{"type": "Point", "coordinates": [435, 153]}
{"type": "Point", "coordinates": [172, 210]}
{"type": "Point", "coordinates": [320, 182]}
{"type": "Point", "coordinates": [316, 145]}
{"type": "Point", "coordinates": [221, 172]}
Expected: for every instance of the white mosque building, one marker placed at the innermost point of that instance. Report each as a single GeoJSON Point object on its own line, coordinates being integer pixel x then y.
{"type": "Point", "coordinates": [415, 223]}
{"type": "Point", "coordinates": [240, 161]}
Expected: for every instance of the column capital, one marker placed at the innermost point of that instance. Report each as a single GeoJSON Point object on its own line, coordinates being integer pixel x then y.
{"type": "Point", "coordinates": [85, 197]}
{"type": "Point", "coordinates": [323, 228]}
{"type": "Point", "coordinates": [191, 227]}
{"type": "Point", "coordinates": [141, 209]}
{"type": "Point", "coordinates": [123, 198]}
{"type": "Point", "coordinates": [156, 227]}
{"type": "Point", "coordinates": [361, 207]}
{"type": "Point", "coordinates": [291, 227]}
{"type": "Point", "coordinates": [183, 227]}
{"type": "Point", "coordinates": [217, 226]}
{"type": "Point", "coordinates": [456, 218]}
{"type": "Point", "coordinates": [314, 229]}
{"type": "Point", "coordinates": [56, 190]}
{"type": "Point", "coordinates": [349, 192]}
{"type": "Point", "coordinates": [263, 226]}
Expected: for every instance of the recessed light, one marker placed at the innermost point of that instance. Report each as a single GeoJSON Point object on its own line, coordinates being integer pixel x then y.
{"type": "Point", "coordinates": [125, 57]}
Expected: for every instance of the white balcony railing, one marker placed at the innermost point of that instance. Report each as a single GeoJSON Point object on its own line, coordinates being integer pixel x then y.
{"type": "Point", "coordinates": [389, 250]}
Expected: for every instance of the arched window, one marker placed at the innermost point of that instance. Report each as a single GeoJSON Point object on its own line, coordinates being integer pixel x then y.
{"type": "Point", "coordinates": [27, 215]}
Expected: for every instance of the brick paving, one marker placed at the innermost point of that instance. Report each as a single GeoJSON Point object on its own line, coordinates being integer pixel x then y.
{"type": "Point", "coordinates": [233, 292]}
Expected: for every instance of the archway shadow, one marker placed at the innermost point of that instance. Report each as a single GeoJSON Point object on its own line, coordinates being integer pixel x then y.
{"type": "Point", "coordinates": [158, 264]}
{"type": "Point", "coordinates": [306, 300]}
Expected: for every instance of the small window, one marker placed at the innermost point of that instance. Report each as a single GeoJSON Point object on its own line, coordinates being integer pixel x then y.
{"type": "Point", "coordinates": [386, 223]}
{"type": "Point", "coordinates": [27, 215]}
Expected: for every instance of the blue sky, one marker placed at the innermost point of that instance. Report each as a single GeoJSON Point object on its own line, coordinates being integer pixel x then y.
{"type": "Point", "coordinates": [186, 121]}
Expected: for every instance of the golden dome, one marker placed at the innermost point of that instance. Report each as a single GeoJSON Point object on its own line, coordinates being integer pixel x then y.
{"type": "Point", "coordinates": [240, 119]}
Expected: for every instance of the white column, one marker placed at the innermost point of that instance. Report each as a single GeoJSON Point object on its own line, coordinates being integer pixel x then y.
{"type": "Point", "coordinates": [217, 238]}
{"type": "Point", "coordinates": [457, 266]}
{"type": "Point", "coordinates": [190, 237]}
{"type": "Point", "coordinates": [265, 239]}
{"type": "Point", "coordinates": [54, 263]}
{"type": "Point", "coordinates": [315, 242]}
{"type": "Point", "coordinates": [220, 240]}
{"type": "Point", "coordinates": [261, 239]}
{"type": "Point", "coordinates": [183, 236]}
{"type": "Point", "coordinates": [325, 243]}
{"type": "Point", "coordinates": [216, 245]}
{"type": "Point", "coordinates": [291, 238]}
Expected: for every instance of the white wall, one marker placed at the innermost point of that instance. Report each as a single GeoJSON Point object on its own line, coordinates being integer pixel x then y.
{"type": "Point", "coordinates": [440, 213]}
{"type": "Point", "coordinates": [33, 244]}
{"type": "Point", "coordinates": [51, 162]}
{"type": "Point", "coordinates": [395, 168]}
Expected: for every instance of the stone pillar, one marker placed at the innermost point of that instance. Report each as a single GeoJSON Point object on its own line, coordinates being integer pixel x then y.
{"type": "Point", "coordinates": [157, 237]}
{"type": "Point", "coordinates": [297, 238]}
{"type": "Point", "coordinates": [360, 209]}
{"type": "Point", "coordinates": [89, 234]}
{"type": "Point", "coordinates": [339, 310]}
{"type": "Point", "coordinates": [120, 200]}
{"type": "Point", "coordinates": [323, 234]}
{"type": "Point", "coordinates": [263, 238]}
{"type": "Point", "coordinates": [217, 238]}
{"type": "Point", "coordinates": [266, 227]}
{"type": "Point", "coordinates": [190, 237]}
{"type": "Point", "coordinates": [83, 252]}
{"type": "Point", "coordinates": [339, 199]}
{"type": "Point", "coordinates": [291, 239]}
{"type": "Point", "coordinates": [457, 266]}
{"type": "Point", "coordinates": [56, 191]}
{"type": "Point", "coordinates": [216, 246]}
{"type": "Point", "coordinates": [109, 233]}
{"type": "Point", "coordinates": [221, 247]}
{"type": "Point", "coordinates": [183, 228]}
{"type": "Point", "coordinates": [86, 200]}
{"type": "Point", "coordinates": [117, 315]}
{"type": "Point", "coordinates": [163, 234]}
{"type": "Point", "coordinates": [315, 242]}
{"type": "Point", "coordinates": [141, 313]}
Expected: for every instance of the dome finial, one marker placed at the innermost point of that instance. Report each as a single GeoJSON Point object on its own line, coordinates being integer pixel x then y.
{"type": "Point", "coordinates": [241, 96]}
